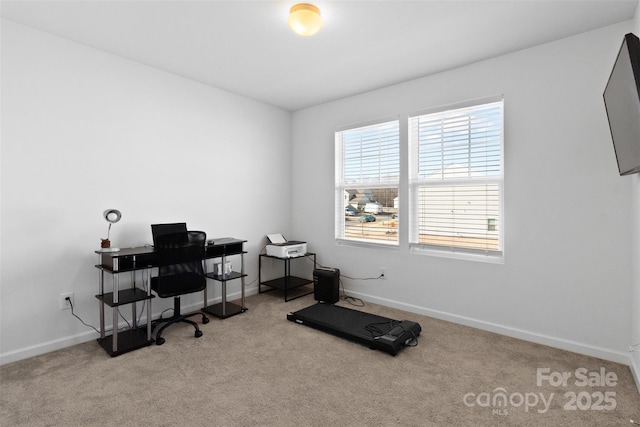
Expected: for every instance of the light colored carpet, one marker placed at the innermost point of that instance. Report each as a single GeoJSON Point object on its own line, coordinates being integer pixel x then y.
{"type": "Point", "coordinates": [259, 369]}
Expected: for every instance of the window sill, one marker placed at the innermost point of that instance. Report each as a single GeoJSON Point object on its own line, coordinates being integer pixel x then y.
{"type": "Point", "coordinates": [367, 244]}
{"type": "Point", "coordinates": [491, 258]}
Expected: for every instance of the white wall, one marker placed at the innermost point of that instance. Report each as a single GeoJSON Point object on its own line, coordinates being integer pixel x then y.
{"type": "Point", "coordinates": [82, 131]}
{"type": "Point", "coordinates": [567, 272]}
{"type": "Point", "coordinates": [635, 306]}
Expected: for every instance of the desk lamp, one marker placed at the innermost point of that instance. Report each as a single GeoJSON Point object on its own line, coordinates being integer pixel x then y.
{"type": "Point", "coordinates": [111, 216]}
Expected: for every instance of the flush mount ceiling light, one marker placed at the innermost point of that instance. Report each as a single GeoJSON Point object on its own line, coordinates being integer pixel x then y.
{"type": "Point", "coordinates": [305, 19]}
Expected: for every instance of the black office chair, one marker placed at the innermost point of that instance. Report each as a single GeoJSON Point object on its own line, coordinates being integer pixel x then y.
{"type": "Point", "coordinates": [158, 230]}
{"type": "Point", "coordinates": [179, 258]}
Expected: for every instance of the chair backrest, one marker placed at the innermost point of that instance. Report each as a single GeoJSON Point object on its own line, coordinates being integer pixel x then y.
{"type": "Point", "coordinates": [158, 230]}
{"type": "Point", "coordinates": [179, 257]}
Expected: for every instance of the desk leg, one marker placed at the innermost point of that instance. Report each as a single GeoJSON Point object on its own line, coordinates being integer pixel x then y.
{"type": "Point", "coordinates": [148, 305]}
{"type": "Point", "coordinates": [206, 284]}
{"type": "Point", "coordinates": [114, 333]}
{"type": "Point", "coordinates": [242, 281]}
{"type": "Point", "coordinates": [134, 316]}
{"type": "Point", "coordinates": [102, 334]}
{"type": "Point", "coordinates": [259, 273]}
{"type": "Point", "coordinates": [287, 272]}
{"type": "Point", "coordinates": [224, 288]}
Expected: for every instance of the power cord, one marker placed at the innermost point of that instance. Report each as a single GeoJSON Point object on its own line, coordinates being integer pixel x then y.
{"type": "Point", "coordinates": [161, 318]}
{"type": "Point", "coordinates": [357, 302]}
{"type": "Point", "coordinates": [91, 326]}
{"type": "Point", "coordinates": [375, 329]}
{"type": "Point", "coordinates": [78, 317]}
{"type": "Point", "coordinates": [365, 278]}
{"type": "Point", "coordinates": [246, 285]}
{"type": "Point", "coordinates": [122, 317]}
{"type": "Point", "coordinates": [144, 302]}
{"type": "Point", "coordinates": [352, 278]}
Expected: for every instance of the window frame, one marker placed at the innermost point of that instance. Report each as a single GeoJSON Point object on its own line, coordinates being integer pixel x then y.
{"type": "Point", "coordinates": [415, 183]}
{"type": "Point", "coordinates": [341, 184]}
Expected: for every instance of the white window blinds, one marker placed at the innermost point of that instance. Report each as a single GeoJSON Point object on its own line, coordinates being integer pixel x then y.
{"type": "Point", "coordinates": [370, 155]}
{"type": "Point", "coordinates": [456, 179]}
{"type": "Point", "coordinates": [367, 178]}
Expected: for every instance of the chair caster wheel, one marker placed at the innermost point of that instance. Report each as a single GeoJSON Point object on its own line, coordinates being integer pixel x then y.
{"type": "Point", "coordinates": [198, 334]}
{"type": "Point", "coordinates": [159, 341]}
{"type": "Point", "coordinates": [205, 320]}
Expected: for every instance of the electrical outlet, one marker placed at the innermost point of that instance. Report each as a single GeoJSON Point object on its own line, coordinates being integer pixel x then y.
{"type": "Point", "coordinates": [383, 273]}
{"type": "Point", "coordinates": [64, 304]}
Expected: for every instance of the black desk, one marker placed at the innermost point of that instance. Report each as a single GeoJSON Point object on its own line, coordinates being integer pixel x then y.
{"type": "Point", "coordinates": [144, 258]}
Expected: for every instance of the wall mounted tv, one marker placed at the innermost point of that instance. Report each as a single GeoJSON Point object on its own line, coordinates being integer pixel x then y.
{"type": "Point", "coordinates": [622, 102]}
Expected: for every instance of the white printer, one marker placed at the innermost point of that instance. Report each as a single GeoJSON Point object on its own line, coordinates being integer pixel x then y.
{"type": "Point", "coordinates": [279, 247]}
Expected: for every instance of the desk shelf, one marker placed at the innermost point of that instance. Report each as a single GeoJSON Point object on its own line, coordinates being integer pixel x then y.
{"type": "Point", "coordinates": [126, 296]}
{"type": "Point", "coordinates": [224, 310]}
{"type": "Point", "coordinates": [129, 340]}
{"type": "Point", "coordinates": [287, 282]}
{"type": "Point", "coordinates": [226, 277]}
{"type": "Point", "coordinates": [221, 249]}
{"type": "Point", "coordinates": [114, 264]}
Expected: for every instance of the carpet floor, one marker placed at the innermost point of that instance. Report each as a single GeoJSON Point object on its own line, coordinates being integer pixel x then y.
{"type": "Point", "coordinates": [259, 369]}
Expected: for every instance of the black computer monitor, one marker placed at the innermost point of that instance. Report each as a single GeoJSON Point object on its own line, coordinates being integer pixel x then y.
{"type": "Point", "coordinates": [177, 228]}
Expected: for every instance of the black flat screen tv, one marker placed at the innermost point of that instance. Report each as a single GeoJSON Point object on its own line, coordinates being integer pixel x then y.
{"type": "Point", "coordinates": [622, 102]}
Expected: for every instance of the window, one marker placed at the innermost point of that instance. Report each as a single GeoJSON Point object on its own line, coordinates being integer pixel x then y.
{"type": "Point", "coordinates": [456, 179]}
{"type": "Point", "coordinates": [366, 185]}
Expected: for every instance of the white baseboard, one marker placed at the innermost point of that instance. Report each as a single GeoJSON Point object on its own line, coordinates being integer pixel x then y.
{"type": "Point", "coordinates": [563, 344]}
{"type": "Point", "coordinates": [630, 359]}
{"type": "Point", "coordinates": [635, 367]}
{"type": "Point", "coordinates": [49, 346]}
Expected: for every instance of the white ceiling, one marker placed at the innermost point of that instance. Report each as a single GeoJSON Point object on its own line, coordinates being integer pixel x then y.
{"type": "Point", "coordinates": [245, 47]}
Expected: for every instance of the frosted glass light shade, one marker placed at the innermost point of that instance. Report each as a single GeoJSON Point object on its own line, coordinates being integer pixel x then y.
{"type": "Point", "coordinates": [305, 19]}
